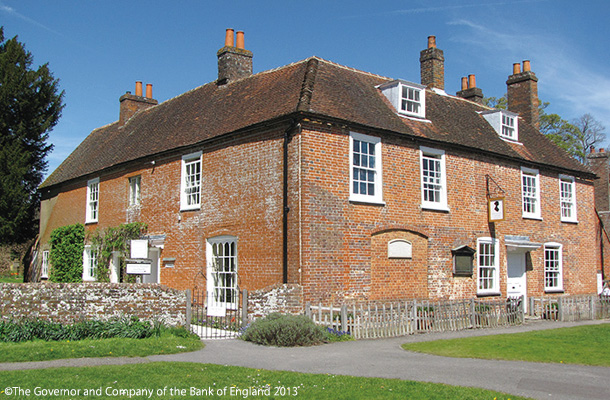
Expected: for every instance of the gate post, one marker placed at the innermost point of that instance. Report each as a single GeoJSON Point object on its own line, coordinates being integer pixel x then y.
{"type": "Point", "coordinates": [189, 311]}
{"type": "Point", "coordinates": [244, 308]}
{"type": "Point", "coordinates": [344, 318]}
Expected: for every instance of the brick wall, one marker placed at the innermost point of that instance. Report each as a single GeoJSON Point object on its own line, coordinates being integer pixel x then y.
{"type": "Point", "coordinates": [71, 302]}
{"type": "Point", "coordinates": [241, 196]}
{"type": "Point", "coordinates": [341, 257]}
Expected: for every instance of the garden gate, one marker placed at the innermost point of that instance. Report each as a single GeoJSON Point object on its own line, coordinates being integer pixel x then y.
{"type": "Point", "coordinates": [218, 314]}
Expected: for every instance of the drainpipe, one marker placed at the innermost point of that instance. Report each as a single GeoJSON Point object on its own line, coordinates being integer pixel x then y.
{"type": "Point", "coordinates": [286, 209]}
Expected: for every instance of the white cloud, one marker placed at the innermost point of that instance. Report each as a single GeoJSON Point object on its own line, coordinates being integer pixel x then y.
{"type": "Point", "coordinates": [11, 11]}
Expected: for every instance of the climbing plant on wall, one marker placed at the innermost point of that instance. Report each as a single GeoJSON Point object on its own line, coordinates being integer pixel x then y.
{"type": "Point", "coordinates": [66, 256]}
{"type": "Point", "coordinates": [114, 239]}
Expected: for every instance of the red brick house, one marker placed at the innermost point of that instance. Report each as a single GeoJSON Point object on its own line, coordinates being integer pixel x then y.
{"type": "Point", "coordinates": [343, 183]}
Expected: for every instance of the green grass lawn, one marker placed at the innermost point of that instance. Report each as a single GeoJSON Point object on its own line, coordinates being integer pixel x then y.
{"type": "Point", "coordinates": [587, 345]}
{"type": "Point", "coordinates": [11, 278]}
{"type": "Point", "coordinates": [39, 350]}
{"type": "Point", "coordinates": [188, 380]}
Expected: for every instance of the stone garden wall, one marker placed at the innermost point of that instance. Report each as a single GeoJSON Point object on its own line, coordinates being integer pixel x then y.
{"type": "Point", "coordinates": [70, 302]}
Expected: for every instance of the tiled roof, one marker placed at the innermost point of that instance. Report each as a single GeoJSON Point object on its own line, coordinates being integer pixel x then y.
{"type": "Point", "coordinates": [313, 86]}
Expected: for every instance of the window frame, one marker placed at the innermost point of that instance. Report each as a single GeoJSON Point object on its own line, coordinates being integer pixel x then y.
{"type": "Point", "coordinates": [135, 190]}
{"type": "Point", "coordinates": [427, 153]}
{"type": "Point", "coordinates": [509, 124]}
{"type": "Point", "coordinates": [534, 174]}
{"type": "Point", "coordinates": [92, 211]}
{"type": "Point", "coordinates": [573, 217]}
{"type": "Point", "coordinates": [377, 197]}
{"type": "Point", "coordinates": [420, 102]}
{"type": "Point", "coordinates": [497, 119]}
{"type": "Point", "coordinates": [558, 269]}
{"type": "Point", "coordinates": [494, 267]}
{"type": "Point", "coordinates": [44, 265]}
{"type": "Point", "coordinates": [394, 93]}
{"type": "Point", "coordinates": [188, 160]}
{"type": "Point", "coordinates": [89, 267]}
{"type": "Point", "coordinates": [212, 288]}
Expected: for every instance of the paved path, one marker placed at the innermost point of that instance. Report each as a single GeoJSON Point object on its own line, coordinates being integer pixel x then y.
{"type": "Point", "coordinates": [384, 358]}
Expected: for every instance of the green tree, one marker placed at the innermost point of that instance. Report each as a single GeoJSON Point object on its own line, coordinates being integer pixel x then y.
{"type": "Point", "coordinates": [30, 106]}
{"type": "Point", "coordinates": [576, 137]}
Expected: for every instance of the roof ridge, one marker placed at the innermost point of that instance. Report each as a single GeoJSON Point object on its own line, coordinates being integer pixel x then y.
{"type": "Point", "coordinates": [351, 69]}
{"type": "Point", "coordinates": [308, 83]}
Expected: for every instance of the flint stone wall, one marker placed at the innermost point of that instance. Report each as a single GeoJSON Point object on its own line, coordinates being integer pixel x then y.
{"type": "Point", "coordinates": [71, 302]}
{"type": "Point", "coordinates": [282, 298]}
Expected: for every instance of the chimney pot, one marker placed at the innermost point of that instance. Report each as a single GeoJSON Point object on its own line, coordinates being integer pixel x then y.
{"type": "Point", "coordinates": [472, 82]}
{"type": "Point", "coordinates": [601, 150]}
{"type": "Point", "coordinates": [522, 94]}
{"type": "Point", "coordinates": [516, 68]}
{"type": "Point", "coordinates": [240, 40]}
{"type": "Point", "coordinates": [464, 83]}
{"type": "Point", "coordinates": [431, 42]}
{"type": "Point", "coordinates": [139, 88]}
{"type": "Point", "coordinates": [229, 38]}
{"type": "Point", "coordinates": [149, 91]}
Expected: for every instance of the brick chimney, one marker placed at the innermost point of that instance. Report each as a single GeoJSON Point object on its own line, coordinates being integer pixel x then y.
{"type": "Point", "coordinates": [234, 62]}
{"type": "Point", "coordinates": [598, 162]}
{"type": "Point", "coordinates": [432, 65]}
{"type": "Point", "coordinates": [522, 93]}
{"type": "Point", "coordinates": [130, 104]}
{"type": "Point", "coordinates": [470, 91]}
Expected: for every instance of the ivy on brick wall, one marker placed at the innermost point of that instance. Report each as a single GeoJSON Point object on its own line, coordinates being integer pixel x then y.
{"type": "Point", "coordinates": [114, 239]}
{"type": "Point", "coordinates": [66, 256]}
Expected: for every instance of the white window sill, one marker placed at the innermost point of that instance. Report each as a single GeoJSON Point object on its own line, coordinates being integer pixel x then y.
{"type": "Point", "coordinates": [190, 208]}
{"type": "Point", "coordinates": [88, 279]}
{"type": "Point", "coordinates": [489, 293]}
{"type": "Point", "coordinates": [91, 222]}
{"type": "Point", "coordinates": [570, 221]}
{"type": "Point", "coordinates": [435, 207]}
{"type": "Point", "coordinates": [554, 290]}
{"type": "Point", "coordinates": [534, 217]}
{"type": "Point", "coordinates": [365, 200]}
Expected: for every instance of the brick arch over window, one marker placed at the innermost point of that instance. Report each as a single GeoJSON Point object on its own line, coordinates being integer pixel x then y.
{"type": "Point", "coordinates": [399, 278]}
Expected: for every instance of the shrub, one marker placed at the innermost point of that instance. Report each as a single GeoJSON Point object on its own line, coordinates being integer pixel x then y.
{"type": "Point", "coordinates": [284, 330]}
{"type": "Point", "coordinates": [30, 329]}
{"type": "Point", "coordinates": [67, 246]}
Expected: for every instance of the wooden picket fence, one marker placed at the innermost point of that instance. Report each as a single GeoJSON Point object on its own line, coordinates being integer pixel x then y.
{"type": "Point", "coordinates": [570, 308]}
{"type": "Point", "coordinates": [378, 319]}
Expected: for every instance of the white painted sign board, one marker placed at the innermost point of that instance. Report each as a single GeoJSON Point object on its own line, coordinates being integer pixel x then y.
{"type": "Point", "coordinates": [139, 248]}
{"type": "Point", "coordinates": [399, 248]}
{"type": "Point", "coordinates": [142, 266]}
{"type": "Point", "coordinates": [496, 209]}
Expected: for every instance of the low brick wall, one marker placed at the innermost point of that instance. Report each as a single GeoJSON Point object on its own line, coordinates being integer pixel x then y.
{"type": "Point", "coordinates": [286, 299]}
{"type": "Point", "coordinates": [69, 302]}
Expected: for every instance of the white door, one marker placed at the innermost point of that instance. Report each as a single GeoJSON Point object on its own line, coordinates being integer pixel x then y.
{"type": "Point", "coordinates": [516, 278]}
{"type": "Point", "coordinates": [153, 254]}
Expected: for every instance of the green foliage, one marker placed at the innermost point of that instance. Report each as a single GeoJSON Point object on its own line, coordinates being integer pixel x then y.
{"type": "Point", "coordinates": [66, 256]}
{"type": "Point", "coordinates": [114, 239]}
{"type": "Point", "coordinates": [30, 106]}
{"type": "Point", "coordinates": [284, 330]}
{"type": "Point", "coordinates": [133, 328]}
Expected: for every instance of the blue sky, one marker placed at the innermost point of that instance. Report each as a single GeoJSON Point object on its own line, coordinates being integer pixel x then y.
{"type": "Point", "coordinates": [98, 49]}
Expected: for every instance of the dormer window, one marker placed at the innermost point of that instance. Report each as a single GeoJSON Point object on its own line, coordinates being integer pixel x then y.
{"type": "Point", "coordinates": [508, 127]}
{"type": "Point", "coordinates": [505, 123]}
{"type": "Point", "coordinates": [408, 98]}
